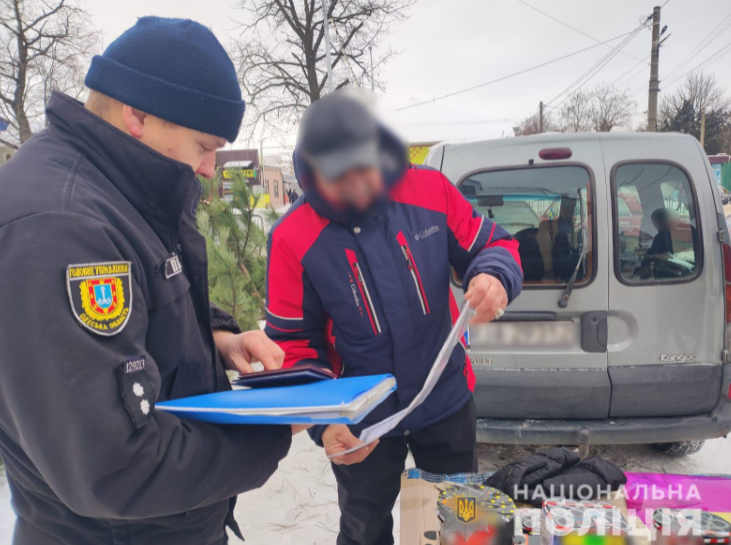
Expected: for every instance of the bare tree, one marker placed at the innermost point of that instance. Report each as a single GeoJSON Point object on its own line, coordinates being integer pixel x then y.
{"type": "Point", "coordinates": [600, 110]}
{"type": "Point", "coordinates": [532, 125]}
{"type": "Point", "coordinates": [44, 45]}
{"type": "Point", "coordinates": [701, 91]}
{"type": "Point", "coordinates": [683, 110]}
{"type": "Point", "coordinates": [611, 108]}
{"type": "Point", "coordinates": [575, 113]}
{"type": "Point", "coordinates": [280, 56]}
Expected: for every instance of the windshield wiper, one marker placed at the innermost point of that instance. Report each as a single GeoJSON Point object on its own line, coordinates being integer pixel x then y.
{"type": "Point", "coordinates": [566, 295]}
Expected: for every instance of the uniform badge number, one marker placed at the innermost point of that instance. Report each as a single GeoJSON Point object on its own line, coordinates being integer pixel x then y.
{"type": "Point", "coordinates": [100, 295]}
{"type": "Point", "coordinates": [466, 509]}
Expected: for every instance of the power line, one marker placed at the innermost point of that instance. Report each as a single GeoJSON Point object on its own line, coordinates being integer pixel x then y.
{"type": "Point", "coordinates": [569, 26]}
{"type": "Point", "coordinates": [715, 33]}
{"type": "Point", "coordinates": [630, 70]}
{"type": "Point", "coordinates": [513, 74]}
{"type": "Point", "coordinates": [591, 72]}
{"type": "Point", "coordinates": [721, 53]}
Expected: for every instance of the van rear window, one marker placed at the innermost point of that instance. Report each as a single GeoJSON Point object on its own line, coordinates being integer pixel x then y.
{"type": "Point", "coordinates": [550, 213]}
{"type": "Point", "coordinates": [656, 224]}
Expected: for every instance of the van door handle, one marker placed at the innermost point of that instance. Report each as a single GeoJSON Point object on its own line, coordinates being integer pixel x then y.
{"type": "Point", "coordinates": [594, 331]}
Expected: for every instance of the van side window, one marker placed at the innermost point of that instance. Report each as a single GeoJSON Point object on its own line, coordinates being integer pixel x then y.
{"type": "Point", "coordinates": [656, 223]}
{"type": "Point", "coordinates": [550, 212]}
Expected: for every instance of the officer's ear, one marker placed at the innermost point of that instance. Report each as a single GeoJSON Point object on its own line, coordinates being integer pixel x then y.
{"type": "Point", "coordinates": [134, 120]}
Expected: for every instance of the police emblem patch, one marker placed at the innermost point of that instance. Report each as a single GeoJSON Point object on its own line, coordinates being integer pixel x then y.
{"type": "Point", "coordinates": [466, 509]}
{"type": "Point", "coordinates": [101, 295]}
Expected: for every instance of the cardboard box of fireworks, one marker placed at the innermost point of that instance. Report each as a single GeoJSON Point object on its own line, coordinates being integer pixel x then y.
{"type": "Point", "coordinates": [426, 499]}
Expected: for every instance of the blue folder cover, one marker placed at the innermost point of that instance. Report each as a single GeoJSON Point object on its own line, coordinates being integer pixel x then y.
{"type": "Point", "coordinates": [338, 392]}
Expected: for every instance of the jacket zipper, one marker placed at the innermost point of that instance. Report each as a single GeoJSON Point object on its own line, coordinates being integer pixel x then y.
{"type": "Point", "coordinates": [365, 294]}
{"type": "Point", "coordinates": [411, 266]}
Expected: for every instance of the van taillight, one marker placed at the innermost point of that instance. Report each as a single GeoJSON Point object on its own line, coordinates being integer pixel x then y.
{"type": "Point", "coordinates": [552, 154]}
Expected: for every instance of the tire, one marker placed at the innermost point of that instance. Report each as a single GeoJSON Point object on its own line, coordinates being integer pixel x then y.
{"type": "Point", "coordinates": [679, 449]}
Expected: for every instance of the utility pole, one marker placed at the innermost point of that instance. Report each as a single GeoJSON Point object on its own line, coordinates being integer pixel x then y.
{"type": "Point", "coordinates": [654, 70]}
{"type": "Point", "coordinates": [373, 84]}
{"type": "Point", "coordinates": [326, 30]}
{"type": "Point", "coordinates": [703, 128]}
{"type": "Point", "coordinates": [540, 116]}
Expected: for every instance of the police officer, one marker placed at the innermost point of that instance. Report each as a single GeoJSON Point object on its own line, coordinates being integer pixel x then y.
{"type": "Point", "coordinates": [105, 306]}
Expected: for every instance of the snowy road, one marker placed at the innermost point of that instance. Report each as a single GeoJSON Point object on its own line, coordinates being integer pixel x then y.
{"type": "Point", "coordinates": [299, 503]}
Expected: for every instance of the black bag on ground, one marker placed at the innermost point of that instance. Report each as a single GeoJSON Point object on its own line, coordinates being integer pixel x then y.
{"type": "Point", "coordinates": [556, 473]}
{"type": "Point", "coordinates": [519, 479]}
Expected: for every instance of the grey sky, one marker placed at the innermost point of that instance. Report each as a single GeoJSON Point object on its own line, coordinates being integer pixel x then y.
{"type": "Point", "coordinates": [448, 45]}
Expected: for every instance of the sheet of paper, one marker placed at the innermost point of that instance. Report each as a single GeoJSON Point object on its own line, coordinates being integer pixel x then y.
{"type": "Point", "coordinates": [371, 433]}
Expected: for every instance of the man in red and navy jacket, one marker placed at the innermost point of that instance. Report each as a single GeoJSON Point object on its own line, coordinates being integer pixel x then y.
{"type": "Point", "coordinates": [358, 282]}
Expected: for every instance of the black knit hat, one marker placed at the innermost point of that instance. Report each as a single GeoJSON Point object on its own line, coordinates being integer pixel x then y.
{"type": "Point", "coordinates": [174, 69]}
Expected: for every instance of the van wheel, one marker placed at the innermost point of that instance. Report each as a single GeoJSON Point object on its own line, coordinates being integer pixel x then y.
{"type": "Point", "coordinates": [681, 448]}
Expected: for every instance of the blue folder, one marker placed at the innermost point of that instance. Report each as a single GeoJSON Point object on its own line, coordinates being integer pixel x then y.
{"type": "Point", "coordinates": [339, 401]}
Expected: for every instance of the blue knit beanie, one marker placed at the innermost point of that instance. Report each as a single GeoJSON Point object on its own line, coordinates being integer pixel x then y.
{"type": "Point", "coordinates": [174, 69]}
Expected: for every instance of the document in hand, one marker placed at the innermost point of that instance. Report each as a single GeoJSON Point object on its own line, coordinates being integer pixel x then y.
{"type": "Point", "coordinates": [371, 433]}
{"type": "Point", "coordinates": [340, 401]}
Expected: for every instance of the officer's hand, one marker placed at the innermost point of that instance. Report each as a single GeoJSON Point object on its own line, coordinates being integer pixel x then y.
{"type": "Point", "coordinates": [338, 438]}
{"type": "Point", "coordinates": [488, 297]}
{"type": "Point", "coordinates": [238, 351]}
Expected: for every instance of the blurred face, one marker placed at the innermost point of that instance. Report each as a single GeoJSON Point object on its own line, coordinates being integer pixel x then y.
{"type": "Point", "coordinates": [357, 188]}
{"type": "Point", "coordinates": [188, 146]}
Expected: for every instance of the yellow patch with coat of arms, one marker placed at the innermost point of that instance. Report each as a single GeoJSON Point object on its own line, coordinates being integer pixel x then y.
{"type": "Point", "coordinates": [100, 295]}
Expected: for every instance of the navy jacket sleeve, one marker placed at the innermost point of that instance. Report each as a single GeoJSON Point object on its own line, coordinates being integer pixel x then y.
{"type": "Point", "coordinates": [222, 320]}
{"type": "Point", "coordinates": [478, 245]}
{"type": "Point", "coordinates": [296, 320]}
{"type": "Point", "coordinates": [60, 394]}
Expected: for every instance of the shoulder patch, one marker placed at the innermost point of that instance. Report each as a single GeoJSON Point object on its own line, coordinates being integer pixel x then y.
{"type": "Point", "coordinates": [100, 295]}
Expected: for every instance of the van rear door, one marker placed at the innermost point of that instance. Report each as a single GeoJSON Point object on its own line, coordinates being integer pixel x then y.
{"type": "Point", "coordinates": [666, 312]}
{"type": "Point", "coordinates": [541, 360]}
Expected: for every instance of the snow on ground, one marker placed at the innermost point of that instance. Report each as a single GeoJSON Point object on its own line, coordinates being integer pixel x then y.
{"type": "Point", "coordinates": [299, 503]}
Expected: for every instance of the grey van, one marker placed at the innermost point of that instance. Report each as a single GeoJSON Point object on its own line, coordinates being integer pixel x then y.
{"type": "Point", "coordinates": [621, 333]}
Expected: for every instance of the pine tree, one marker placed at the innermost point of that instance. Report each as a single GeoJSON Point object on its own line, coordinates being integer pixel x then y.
{"type": "Point", "coordinates": [236, 249]}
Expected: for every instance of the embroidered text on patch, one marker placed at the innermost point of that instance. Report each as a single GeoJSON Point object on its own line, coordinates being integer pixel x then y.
{"type": "Point", "coordinates": [100, 295]}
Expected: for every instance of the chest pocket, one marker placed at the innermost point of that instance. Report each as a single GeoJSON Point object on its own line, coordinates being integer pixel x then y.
{"type": "Point", "coordinates": [362, 292]}
{"type": "Point", "coordinates": [413, 270]}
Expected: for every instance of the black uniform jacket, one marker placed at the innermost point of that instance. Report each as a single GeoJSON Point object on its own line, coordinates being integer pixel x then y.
{"type": "Point", "coordinates": [104, 310]}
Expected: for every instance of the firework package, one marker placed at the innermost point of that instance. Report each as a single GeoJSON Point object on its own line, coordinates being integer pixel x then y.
{"type": "Point", "coordinates": [567, 522]}
{"type": "Point", "coordinates": [474, 515]}
{"type": "Point", "coordinates": [527, 527]}
{"type": "Point", "coordinates": [690, 526]}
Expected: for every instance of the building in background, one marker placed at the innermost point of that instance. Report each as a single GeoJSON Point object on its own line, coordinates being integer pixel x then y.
{"type": "Point", "coordinates": [721, 165]}
{"type": "Point", "coordinates": [245, 161]}
{"type": "Point", "coordinates": [273, 185]}
{"type": "Point", "coordinates": [266, 178]}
